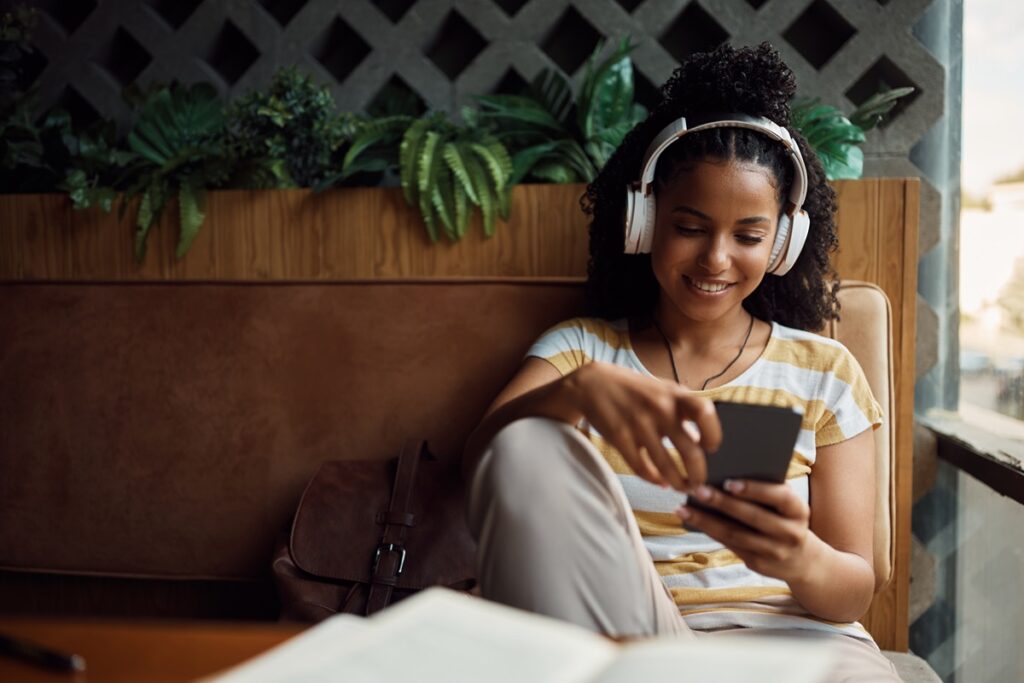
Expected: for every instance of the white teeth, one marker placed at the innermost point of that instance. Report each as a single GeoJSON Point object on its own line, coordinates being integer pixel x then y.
{"type": "Point", "coordinates": [707, 286]}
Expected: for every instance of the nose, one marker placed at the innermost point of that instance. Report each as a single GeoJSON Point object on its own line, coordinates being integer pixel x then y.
{"type": "Point", "coordinates": [715, 256]}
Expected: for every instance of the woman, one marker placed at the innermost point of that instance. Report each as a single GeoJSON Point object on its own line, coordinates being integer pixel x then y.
{"type": "Point", "coordinates": [580, 470]}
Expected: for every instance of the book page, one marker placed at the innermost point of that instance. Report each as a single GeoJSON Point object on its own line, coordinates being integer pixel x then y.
{"type": "Point", "coordinates": [722, 659]}
{"type": "Point", "coordinates": [437, 635]}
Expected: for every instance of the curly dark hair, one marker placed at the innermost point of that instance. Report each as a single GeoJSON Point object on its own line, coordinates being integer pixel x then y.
{"type": "Point", "coordinates": [752, 81]}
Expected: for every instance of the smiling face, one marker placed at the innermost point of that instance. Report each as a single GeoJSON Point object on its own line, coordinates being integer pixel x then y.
{"type": "Point", "coordinates": [715, 223]}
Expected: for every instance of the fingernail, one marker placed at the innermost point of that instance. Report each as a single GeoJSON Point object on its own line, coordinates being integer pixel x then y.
{"type": "Point", "coordinates": [683, 513]}
{"type": "Point", "coordinates": [702, 492]}
{"type": "Point", "coordinates": [733, 486]}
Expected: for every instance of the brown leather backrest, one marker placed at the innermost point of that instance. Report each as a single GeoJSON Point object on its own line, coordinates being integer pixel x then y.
{"type": "Point", "coordinates": [167, 429]}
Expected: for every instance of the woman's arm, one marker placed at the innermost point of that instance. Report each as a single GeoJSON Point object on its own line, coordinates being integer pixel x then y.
{"type": "Point", "coordinates": [538, 389]}
{"type": "Point", "coordinates": [839, 582]}
{"type": "Point", "coordinates": [823, 551]}
{"type": "Point", "coordinates": [631, 411]}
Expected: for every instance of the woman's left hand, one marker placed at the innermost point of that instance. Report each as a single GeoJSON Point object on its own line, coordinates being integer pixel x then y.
{"type": "Point", "coordinates": [767, 525]}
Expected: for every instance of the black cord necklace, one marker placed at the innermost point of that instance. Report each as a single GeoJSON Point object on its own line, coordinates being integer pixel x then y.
{"type": "Point", "coordinates": [672, 356]}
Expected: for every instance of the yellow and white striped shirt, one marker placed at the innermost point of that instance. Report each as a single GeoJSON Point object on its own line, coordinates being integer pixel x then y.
{"type": "Point", "coordinates": [815, 375]}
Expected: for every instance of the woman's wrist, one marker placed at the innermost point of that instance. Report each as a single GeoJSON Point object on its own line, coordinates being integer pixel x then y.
{"type": "Point", "coordinates": [832, 584]}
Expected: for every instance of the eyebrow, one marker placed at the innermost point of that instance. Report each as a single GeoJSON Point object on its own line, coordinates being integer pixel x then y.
{"type": "Point", "coordinates": [704, 216]}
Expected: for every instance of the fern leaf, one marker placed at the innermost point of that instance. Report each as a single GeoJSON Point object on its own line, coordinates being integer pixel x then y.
{"type": "Point", "coordinates": [408, 153]}
{"type": "Point", "coordinates": [501, 154]}
{"type": "Point", "coordinates": [454, 155]}
{"type": "Point", "coordinates": [143, 221]}
{"type": "Point", "coordinates": [427, 166]}
{"type": "Point", "coordinates": [496, 168]}
{"type": "Point", "coordinates": [461, 210]}
{"type": "Point", "coordinates": [443, 199]}
{"type": "Point", "coordinates": [485, 195]}
{"type": "Point", "coordinates": [429, 220]}
{"type": "Point", "coordinates": [488, 207]}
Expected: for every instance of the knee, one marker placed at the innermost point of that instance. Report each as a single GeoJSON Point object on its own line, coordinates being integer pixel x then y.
{"type": "Point", "coordinates": [524, 455]}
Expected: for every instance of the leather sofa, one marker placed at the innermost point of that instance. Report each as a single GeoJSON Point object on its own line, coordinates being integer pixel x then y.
{"type": "Point", "coordinates": [155, 437]}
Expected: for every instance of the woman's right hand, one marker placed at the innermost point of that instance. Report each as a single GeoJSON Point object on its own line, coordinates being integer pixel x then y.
{"type": "Point", "coordinates": [632, 412]}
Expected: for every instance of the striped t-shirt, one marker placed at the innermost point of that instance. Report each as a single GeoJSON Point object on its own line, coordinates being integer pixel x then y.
{"type": "Point", "coordinates": [816, 376]}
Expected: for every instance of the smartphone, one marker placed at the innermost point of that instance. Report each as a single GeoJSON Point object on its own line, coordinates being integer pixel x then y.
{"type": "Point", "coordinates": [757, 443]}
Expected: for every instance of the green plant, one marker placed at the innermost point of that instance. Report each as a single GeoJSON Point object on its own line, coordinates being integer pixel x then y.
{"type": "Point", "coordinates": [179, 142]}
{"type": "Point", "coordinates": [15, 30]}
{"type": "Point", "coordinates": [837, 138]}
{"type": "Point", "coordinates": [293, 121]}
{"type": "Point", "coordinates": [445, 168]}
{"type": "Point", "coordinates": [555, 137]}
{"type": "Point", "coordinates": [99, 168]}
{"type": "Point", "coordinates": [373, 149]}
{"type": "Point", "coordinates": [34, 151]}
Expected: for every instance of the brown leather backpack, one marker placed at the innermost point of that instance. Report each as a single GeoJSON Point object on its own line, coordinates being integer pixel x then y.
{"type": "Point", "coordinates": [370, 532]}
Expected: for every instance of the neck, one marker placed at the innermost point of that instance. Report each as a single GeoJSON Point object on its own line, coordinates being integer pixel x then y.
{"type": "Point", "coordinates": [696, 337]}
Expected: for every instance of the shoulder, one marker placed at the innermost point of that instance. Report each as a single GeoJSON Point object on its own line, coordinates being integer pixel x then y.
{"type": "Point", "coordinates": [575, 342]}
{"type": "Point", "coordinates": [588, 331]}
{"type": "Point", "coordinates": [808, 349]}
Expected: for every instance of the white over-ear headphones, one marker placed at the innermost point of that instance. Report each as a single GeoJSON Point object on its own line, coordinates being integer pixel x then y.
{"type": "Point", "coordinates": [793, 221]}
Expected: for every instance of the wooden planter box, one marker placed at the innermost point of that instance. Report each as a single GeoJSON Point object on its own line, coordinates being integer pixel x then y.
{"type": "Point", "coordinates": [292, 234]}
{"type": "Point", "coordinates": [372, 233]}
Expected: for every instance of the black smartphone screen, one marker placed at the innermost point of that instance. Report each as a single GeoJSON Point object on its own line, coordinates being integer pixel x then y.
{"type": "Point", "coordinates": [757, 442]}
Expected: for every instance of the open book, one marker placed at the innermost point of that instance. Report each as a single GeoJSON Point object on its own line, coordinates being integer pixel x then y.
{"type": "Point", "coordinates": [441, 635]}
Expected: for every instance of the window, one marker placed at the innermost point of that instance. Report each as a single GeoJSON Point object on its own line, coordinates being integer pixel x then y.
{"type": "Point", "coordinates": [992, 222]}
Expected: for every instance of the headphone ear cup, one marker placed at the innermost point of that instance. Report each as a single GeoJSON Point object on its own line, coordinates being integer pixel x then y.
{"type": "Point", "coordinates": [650, 213]}
{"type": "Point", "coordinates": [639, 223]}
{"type": "Point", "coordinates": [629, 221]}
{"type": "Point", "coordinates": [778, 246]}
{"type": "Point", "coordinates": [797, 228]}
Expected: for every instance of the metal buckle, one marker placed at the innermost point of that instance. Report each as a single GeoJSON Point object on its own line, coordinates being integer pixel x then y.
{"type": "Point", "coordinates": [390, 547]}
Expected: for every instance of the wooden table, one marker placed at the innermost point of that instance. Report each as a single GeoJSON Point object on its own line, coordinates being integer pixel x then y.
{"type": "Point", "coordinates": [140, 651]}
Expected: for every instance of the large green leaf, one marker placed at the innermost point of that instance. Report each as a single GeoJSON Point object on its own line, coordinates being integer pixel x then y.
{"type": "Point", "coordinates": [553, 92]}
{"type": "Point", "coordinates": [850, 166]}
{"type": "Point", "coordinates": [175, 120]}
{"type": "Point", "coordinates": [874, 109]}
{"type": "Point", "coordinates": [555, 172]}
{"type": "Point", "coordinates": [606, 97]}
{"type": "Point", "coordinates": [191, 203]}
{"type": "Point", "coordinates": [524, 160]}
{"type": "Point", "coordinates": [150, 207]}
{"type": "Point", "coordinates": [384, 131]}
{"type": "Point", "coordinates": [578, 159]}
{"type": "Point", "coordinates": [515, 114]}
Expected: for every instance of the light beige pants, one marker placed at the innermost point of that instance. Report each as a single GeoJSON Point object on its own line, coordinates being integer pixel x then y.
{"type": "Point", "coordinates": [556, 536]}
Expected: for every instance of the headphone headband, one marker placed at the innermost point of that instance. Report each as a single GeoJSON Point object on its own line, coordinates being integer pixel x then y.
{"type": "Point", "coordinates": [683, 126]}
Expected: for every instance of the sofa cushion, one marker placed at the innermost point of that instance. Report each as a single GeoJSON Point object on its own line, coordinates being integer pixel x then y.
{"type": "Point", "coordinates": [911, 668]}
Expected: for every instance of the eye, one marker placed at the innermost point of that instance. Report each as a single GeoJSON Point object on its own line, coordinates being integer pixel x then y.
{"type": "Point", "coordinates": [688, 230]}
{"type": "Point", "coordinates": [749, 239]}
